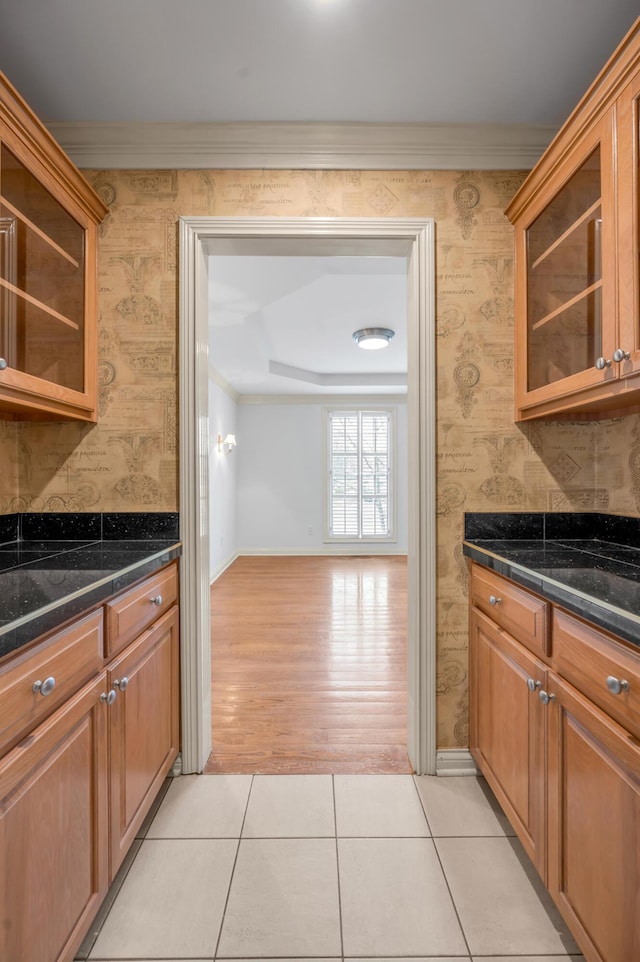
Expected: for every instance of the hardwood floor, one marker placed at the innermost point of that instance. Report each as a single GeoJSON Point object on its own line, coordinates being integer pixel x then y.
{"type": "Point", "coordinates": [309, 665]}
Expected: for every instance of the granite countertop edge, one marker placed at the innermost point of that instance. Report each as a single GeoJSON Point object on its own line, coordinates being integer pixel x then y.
{"type": "Point", "coordinates": [618, 621]}
{"type": "Point", "coordinates": [18, 632]}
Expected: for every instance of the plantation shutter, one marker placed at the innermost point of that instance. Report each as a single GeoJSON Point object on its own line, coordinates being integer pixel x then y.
{"type": "Point", "coordinates": [359, 481]}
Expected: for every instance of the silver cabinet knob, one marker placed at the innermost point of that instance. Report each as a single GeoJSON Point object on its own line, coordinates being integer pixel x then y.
{"type": "Point", "coordinates": [3, 364]}
{"type": "Point", "coordinates": [157, 600]}
{"type": "Point", "coordinates": [545, 696]}
{"type": "Point", "coordinates": [494, 601]}
{"type": "Point", "coordinates": [121, 684]}
{"type": "Point", "coordinates": [620, 355]}
{"type": "Point", "coordinates": [601, 363]}
{"type": "Point", "coordinates": [45, 687]}
{"type": "Point", "coordinates": [109, 697]}
{"type": "Point", "coordinates": [532, 685]}
{"type": "Point", "coordinates": [616, 685]}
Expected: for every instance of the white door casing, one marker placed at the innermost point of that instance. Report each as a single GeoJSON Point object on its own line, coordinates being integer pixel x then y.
{"type": "Point", "coordinates": [313, 236]}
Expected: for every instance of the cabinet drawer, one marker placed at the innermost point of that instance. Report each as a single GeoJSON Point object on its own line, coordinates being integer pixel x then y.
{"type": "Point", "coordinates": [589, 659]}
{"type": "Point", "coordinates": [515, 609]}
{"type": "Point", "coordinates": [131, 612]}
{"type": "Point", "coordinates": [64, 661]}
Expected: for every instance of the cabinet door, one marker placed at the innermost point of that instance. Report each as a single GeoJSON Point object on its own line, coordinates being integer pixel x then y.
{"type": "Point", "coordinates": [143, 728]}
{"type": "Point", "coordinates": [53, 832]}
{"type": "Point", "coordinates": [594, 826]}
{"type": "Point", "coordinates": [508, 729]}
{"type": "Point", "coordinates": [628, 142]}
{"type": "Point", "coordinates": [48, 272]}
{"type": "Point", "coordinates": [566, 275]}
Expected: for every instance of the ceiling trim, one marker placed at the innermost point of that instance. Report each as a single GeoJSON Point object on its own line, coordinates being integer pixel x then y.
{"type": "Point", "coordinates": [341, 400]}
{"type": "Point", "coordinates": [217, 378]}
{"type": "Point", "coordinates": [297, 145]}
{"type": "Point", "coordinates": [359, 379]}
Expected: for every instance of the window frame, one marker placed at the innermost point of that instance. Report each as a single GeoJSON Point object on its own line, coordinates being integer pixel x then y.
{"type": "Point", "coordinates": [343, 409]}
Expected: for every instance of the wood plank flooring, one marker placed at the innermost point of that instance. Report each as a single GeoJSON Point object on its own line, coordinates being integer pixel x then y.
{"type": "Point", "coordinates": [309, 665]}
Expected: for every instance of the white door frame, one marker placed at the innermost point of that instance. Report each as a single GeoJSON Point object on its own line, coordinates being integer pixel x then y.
{"type": "Point", "coordinates": [413, 238]}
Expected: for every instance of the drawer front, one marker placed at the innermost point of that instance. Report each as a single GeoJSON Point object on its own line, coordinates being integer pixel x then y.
{"type": "Point", "coordinates": [599, 667]}
{"type": "Point", "coordinates": [519, 612]}
{"type": "Point", "coordinates": [132, 612]}
{"type": "Point", "coordinates": [57, 668]}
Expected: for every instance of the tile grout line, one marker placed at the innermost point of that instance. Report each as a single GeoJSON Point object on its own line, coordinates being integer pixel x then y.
{"type": "Point", "coordinates": [421, 803]}
{"type": "Point", "coordinates": [335, 826]}
{"type": "Point", "coordinates": [453, 901]}
{"type": "Point", "coordinates": [233, 869]}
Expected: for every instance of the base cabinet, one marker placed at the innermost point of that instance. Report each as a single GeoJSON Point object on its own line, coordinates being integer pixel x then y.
{"type": "Point", "coordinates": [143, 729]}
{"type": "Point", "coordinates": [78, 776]}
{"type": "Point", "coordinates": [508, 729]}
{"type": "Point", "coordinates": [53, 831]}
{"type": "Point", "coordinates": [594, 824]}
{"type": "Point", "coordinates": [564, 763]}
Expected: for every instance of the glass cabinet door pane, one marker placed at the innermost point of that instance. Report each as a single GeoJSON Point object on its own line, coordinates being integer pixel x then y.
{"type": "Point", "coordinates": [41, 280]}
{"type": "Point", "coordinates": [564, 278]}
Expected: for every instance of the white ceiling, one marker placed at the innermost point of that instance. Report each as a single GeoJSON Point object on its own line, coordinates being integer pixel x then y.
{"type": "Point", "coordinates": [399, 61]}
{"type": "Point", "coordinates": [283, 325]}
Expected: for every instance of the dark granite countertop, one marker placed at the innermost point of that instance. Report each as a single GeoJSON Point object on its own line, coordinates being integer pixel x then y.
{"type": "Point", "coordinates": [48, 578]}
{"type": "Point", "coordinates": [586, 562]}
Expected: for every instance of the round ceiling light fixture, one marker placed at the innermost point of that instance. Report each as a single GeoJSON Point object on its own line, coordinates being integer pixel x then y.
{"type": "Point", "coordinates": [373, 338]}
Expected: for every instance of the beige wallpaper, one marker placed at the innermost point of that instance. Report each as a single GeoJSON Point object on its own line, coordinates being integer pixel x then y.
{"type": "Point", "coordinates": [128, 461]}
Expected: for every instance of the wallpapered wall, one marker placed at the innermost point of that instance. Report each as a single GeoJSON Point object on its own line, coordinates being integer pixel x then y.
{"type": "Point", "coordinates": [128, 461]}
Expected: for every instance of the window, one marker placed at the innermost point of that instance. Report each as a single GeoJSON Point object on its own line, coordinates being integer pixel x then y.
{"type": "Point", "coordinates": [359, 502]}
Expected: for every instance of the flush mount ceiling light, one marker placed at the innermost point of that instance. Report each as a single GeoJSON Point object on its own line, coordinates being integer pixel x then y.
{"type": "Point", "coordinates": [373, 338]}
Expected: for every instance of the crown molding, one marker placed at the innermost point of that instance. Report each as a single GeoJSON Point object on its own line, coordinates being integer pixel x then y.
{"type": "Point", "coordinates": [249, 146]}
{"type": "Point", "coordinates": [217, 378]}
{"type": "Point", "coordinates": [342, 400]}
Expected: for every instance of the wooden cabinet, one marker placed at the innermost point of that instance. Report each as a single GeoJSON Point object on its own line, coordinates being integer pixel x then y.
{"type": "Point", "coordinates": [133, 611]}
{"type": "Point", "coordinates": [49, 217]}
{"type": "Point", "coordinates": [35, 682]}
{"type": "Point", "coordinates": [53, 831]}
{"type": "Point", "coordinates": [80, 767]}
{"type": "Point", "coordinates": [507, 729]}
{"type": "Point", "coordinates": [577, 244]}
{"type": "Point", "coordinates": [564, 762]}
{"type": "Point", "coordinates": [594, 822]}
{"type": "Point", "coordinates": [143, 729]}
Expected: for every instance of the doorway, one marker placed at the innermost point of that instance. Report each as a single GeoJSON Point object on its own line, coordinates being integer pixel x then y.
{"type": "Point", "coordinates": [412, 239]}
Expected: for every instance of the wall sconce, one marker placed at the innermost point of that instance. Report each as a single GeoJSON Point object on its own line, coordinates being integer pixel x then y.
{"type": "Point", "coordinates": [227, 444]}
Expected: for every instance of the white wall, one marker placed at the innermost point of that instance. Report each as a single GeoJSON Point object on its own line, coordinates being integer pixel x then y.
{"type": "Point", "coordinates": [280, 480]}
{"type": "Point", "coordinates": [223, 481]}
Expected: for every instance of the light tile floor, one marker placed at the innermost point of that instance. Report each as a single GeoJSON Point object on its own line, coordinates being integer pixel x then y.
{"type": "Point", "coordinates": [326, 868]}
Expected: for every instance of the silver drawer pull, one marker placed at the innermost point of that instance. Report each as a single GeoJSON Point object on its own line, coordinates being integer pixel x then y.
{"type": "Point", "coordinates": [157, 600]}
{"type": "Point", "coordinates": [494, 601]}
{"type": "Point", "coordinates": [109, 697]}
{"type": "Point", "coordinates": [45, 687]}
{"type": "Point", "coordinates": [545, 696]}
{"type": "Point", "coordinates": [121, 684]}
{"type": "Point", "coordinates": [616, 685]}
{"type": "Point", "coordinates": [532, 685]}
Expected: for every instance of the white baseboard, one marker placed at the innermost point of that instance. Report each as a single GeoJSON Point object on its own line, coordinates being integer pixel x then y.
{"type": "Point", "coordinates": [455, 761]}
{"type": "Point", "coordinates": [333, 549]}
{"type": "Point", "coordinates": [215, 574]}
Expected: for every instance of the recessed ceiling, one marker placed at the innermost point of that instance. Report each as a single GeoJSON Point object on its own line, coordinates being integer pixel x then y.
{"type": "Point", "coordinates": [284, 325]}
{"type": "Point", "coordinates": [398, 61]}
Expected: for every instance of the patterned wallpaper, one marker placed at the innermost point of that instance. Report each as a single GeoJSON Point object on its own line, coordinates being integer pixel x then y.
{"type": "Point", "coordinates": [128, 461]}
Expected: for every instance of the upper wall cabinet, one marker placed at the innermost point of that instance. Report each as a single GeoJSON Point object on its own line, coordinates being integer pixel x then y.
{"type": "Point", "coordinates": [577, 250]}
{"type": "Point", "coordinates": [49, 217]}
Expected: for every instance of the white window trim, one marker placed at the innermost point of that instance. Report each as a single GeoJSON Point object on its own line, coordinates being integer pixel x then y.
{"type": "Point", "coordinates": [392, 537]}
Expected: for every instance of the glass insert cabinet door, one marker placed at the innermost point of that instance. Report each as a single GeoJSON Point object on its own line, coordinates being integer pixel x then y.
{"type": "Point", "coordinates": [42, 280]}
{"type": "Point", "coordinates": [564, 256]}
{"type": "Point", "coordinates": [628, 141]}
